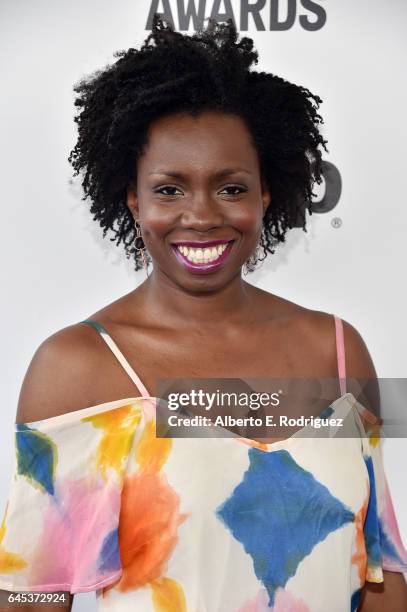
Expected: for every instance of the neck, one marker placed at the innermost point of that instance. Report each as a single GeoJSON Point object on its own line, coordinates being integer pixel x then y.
{"type": "Point", "coordinates": [169, 304]}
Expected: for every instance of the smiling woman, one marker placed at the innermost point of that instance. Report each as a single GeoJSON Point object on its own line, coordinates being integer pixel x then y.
{"type": "Point", "coordinates": [199, 165]}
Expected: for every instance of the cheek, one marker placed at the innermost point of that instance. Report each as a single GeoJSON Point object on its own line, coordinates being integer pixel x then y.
{"type": "Point", "coordinates": [247, 220]}
{"type": "Point", "coordinates": [156, 223]}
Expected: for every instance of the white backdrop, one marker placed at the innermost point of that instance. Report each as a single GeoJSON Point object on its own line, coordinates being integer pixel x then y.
{"type": "Point", "coordinates": [56, 267]}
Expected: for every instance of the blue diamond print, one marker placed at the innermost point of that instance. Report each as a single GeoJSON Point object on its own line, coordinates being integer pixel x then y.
{"type": "Point", "coordinates": [279, 512]}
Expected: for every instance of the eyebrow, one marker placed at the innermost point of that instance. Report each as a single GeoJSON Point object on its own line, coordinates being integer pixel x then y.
{"type": "Point", "coordinates": [219, 174]}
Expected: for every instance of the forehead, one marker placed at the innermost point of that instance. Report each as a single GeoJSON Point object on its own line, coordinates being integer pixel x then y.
{"type": "Point", "coordinates": [206, 141]}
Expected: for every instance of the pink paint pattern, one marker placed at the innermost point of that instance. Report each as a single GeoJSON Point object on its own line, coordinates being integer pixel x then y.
{"type": "Point", "coordinates": [74, 531]}
{"type": "Point", "coordinates": [284, 602]}
{"type": "Point", "coordinates": [389, 524]}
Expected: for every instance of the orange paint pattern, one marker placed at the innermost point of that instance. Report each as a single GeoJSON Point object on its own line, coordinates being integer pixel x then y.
{"type": "Point", "coordinates": [148, 525]}
{"type": "Point", "coordinates": [359, 558]}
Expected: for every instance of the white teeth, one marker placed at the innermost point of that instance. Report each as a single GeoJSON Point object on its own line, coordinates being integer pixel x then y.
{"type": "Point", "coordinates": [198, 255]}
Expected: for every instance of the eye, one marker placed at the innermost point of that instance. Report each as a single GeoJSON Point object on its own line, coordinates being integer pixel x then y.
{"type": "Point", "coordinates": [236, 187]}
{"type": "Point", "coordinates": [161, 190]}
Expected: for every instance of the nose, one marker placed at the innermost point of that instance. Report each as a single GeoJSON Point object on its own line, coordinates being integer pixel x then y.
{"type": "Point", "coordinates": [202, 213]}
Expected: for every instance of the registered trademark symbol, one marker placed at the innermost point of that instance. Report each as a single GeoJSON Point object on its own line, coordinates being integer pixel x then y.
{"type": "Point", "coordinates": [336, 222]}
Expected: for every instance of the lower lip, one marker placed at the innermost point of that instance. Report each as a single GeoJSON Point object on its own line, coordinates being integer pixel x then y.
{"type": "Point", "coordinates": [204, 268]}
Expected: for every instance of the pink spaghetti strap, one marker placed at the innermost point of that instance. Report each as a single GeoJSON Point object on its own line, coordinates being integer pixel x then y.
{"type": "Point", "coordinates": [119, 355]}
{"type": "Point", "coordinates": [340, 351]}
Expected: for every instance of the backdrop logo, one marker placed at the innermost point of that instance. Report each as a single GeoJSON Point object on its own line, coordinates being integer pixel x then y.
{"type": "Point", "coordinates": [333, 187]}
{"type": "Point", "coordinates": [273, 15]}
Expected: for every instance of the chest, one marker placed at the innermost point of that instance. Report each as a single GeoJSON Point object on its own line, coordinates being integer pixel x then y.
{"type": "Point", "coordinates": [250, 354]}
{"type": "Point", "coordinates": [256, 352]}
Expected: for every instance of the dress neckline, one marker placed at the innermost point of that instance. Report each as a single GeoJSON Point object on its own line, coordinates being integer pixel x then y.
{"type": "Point", "coordinates": [148, 406]}
{"type": "Point", "coordinates": [348, 398]}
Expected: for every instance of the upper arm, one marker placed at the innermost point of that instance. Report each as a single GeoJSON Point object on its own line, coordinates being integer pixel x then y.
{"type": "Point", "coordinates": [59, 377]}
{"type": "Point", "coordinates": [390, 595]}
{"type": "Point", "coordinates": [361, 376]}
{"type": "Point", "coordinates": [56, 382]}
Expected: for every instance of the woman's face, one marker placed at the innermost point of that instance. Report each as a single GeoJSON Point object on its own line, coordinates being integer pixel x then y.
{"type": "Point", "coordinates": [199, 198]}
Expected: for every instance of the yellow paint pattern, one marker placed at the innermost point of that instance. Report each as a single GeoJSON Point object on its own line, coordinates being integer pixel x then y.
{"type": "Point", "coordinates": [152, 452]}
{"type": "Point", "coordinates": [374, 574]}
{"type": "Point", "coordinates": [119, 426]}
{"type": "Point", "coordinates": [9, 562]}
{"type": "Point", "coordinates": [3, 524]}
{"type": "Point", "coordinates": [168, 596]}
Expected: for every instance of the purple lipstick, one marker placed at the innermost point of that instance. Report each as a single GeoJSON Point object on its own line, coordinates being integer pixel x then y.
{"type": "Point", "coordinates": [202, 257]}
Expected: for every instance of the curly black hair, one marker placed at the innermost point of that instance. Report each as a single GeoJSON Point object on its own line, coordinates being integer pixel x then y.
{"type": "Point", "coordinates": [209, 70]}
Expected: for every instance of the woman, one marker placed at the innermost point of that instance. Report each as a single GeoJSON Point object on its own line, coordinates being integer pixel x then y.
{"type": "Point", "coordinates": [199, 166]}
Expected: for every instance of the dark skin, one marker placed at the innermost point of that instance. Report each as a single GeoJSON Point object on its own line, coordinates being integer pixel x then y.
{"type": "Point", "coordinates": [178, 323]}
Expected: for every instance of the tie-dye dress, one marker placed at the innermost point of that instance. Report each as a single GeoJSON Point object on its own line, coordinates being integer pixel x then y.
{"type": "Point", "coordinates": [98, 502]}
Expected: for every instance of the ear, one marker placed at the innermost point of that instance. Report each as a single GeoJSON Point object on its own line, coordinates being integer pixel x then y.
{"type": "Point", "coordinates": [132, 201]}
{"type": "Point", "coordinates": [266, 198]}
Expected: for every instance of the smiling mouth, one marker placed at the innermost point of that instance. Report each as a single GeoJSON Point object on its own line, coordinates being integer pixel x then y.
{"type": "Point", "coordinates": [203, 258]}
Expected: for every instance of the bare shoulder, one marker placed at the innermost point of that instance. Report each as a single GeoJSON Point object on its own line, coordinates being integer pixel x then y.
{"type": "Point", "coordinates": [321, 326]}
{"type": "Point", "coordinates": [360, 372]}
{"type": "Point", "coordinates": [60, 375]}
{"type": "Point", "coordinates": [358, 360]}
{"type": "Point", "coordinates": [316, 329]}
